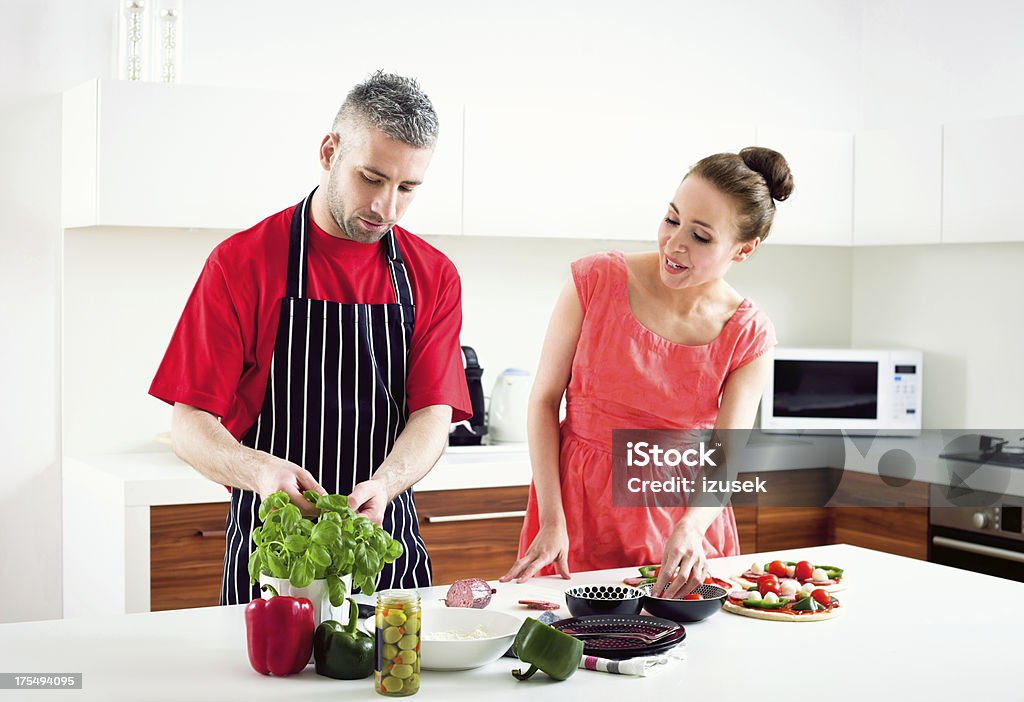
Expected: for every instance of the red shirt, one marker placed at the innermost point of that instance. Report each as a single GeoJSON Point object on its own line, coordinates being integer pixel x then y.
{"type": "Point", "coordinates": [219, 356]}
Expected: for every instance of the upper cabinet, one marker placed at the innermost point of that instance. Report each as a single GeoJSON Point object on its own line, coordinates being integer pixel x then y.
{"type": "Point", "coordinates": [820, 210]}
{"type": "Point", "coordinates": [596, 174]}
{"type": "Point", "coordinates": [188, 156]}
{"type": "Point", "coordinates": [980, 180]}
{"type": "Point", "coordinates": [897, 186]}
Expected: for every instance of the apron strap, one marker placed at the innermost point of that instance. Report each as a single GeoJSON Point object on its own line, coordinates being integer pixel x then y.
{"type": "Point", "coordinates": [298, 255]}
{"type": "Point", "coordinates": [298, 249]}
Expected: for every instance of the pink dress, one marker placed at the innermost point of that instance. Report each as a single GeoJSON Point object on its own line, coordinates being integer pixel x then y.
{"type": "Point", "coordinates": [626, 376]}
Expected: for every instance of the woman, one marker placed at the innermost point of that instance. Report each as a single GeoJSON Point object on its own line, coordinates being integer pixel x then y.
{"type": "Point", "coordinates": [652, 340]}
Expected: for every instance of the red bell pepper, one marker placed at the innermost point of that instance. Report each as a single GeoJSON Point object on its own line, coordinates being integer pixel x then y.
{"type": "Point", "coordinates": [280, 633]}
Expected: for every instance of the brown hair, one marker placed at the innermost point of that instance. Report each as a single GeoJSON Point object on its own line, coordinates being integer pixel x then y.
{"type": "Point", "coordinates": [755, 178]}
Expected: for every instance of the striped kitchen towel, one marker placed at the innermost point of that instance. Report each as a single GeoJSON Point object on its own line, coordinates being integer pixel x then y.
{"type": "Point", "coordinates": [635, 666]}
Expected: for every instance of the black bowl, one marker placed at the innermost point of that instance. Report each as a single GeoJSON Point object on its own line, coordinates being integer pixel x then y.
{"type": "Point", "coordinates": [686, 610]}
{"type": "Point", "coordinates": [587, 600]}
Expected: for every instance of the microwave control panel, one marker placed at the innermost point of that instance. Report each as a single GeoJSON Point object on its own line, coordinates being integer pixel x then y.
{"type": "Point", "coordinates": [906, 385]}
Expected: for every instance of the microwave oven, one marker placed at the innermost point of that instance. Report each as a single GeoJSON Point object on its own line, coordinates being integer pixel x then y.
{"type": "Point", "coordinates": [848, 391]}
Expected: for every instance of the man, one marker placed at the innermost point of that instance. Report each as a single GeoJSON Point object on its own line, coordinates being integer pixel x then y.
{"type": "Point", "coordinates": [320, 349]}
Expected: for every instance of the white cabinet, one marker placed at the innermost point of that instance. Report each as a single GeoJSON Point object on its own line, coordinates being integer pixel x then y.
{"type": "Point", "coordinates": [982, 162]}
{"type": "Point", "coordinates": [595, 174]}
{"type": "Point", "coordinates": [820, 210]}
{"type": "Point", "coordinates": [188, 156]}
{"type": "Point", "coordinates": [897, 187]}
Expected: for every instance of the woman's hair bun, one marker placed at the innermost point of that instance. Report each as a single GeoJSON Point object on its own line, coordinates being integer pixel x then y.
{"type": "Point", "coordinates": [772, 165]}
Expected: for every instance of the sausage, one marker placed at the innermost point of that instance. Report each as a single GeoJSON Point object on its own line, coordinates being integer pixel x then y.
{"type": "Point", "coordinates": [469, 592]}
{"type": "Point", "coordinates": [539, 604]}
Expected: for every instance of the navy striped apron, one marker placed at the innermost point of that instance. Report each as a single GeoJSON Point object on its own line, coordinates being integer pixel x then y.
{"type": "Point", "coordinates": [335, 403]}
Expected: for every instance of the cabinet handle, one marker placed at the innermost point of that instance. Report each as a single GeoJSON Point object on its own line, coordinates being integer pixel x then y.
{"type": "Point", "coordinates": [473, 517]}
{"type": "Point", "coordinates": [978, 549]}
{"type": "Point", "coordinates": [211, 533]}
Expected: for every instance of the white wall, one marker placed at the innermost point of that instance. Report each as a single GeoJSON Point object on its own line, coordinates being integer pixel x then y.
{"type": "Point", "coordinates": [126, 289]}
{"type": "Point", "coordinates": [960, 304]}
{"type": "Point", "coordinates": [30, 488]}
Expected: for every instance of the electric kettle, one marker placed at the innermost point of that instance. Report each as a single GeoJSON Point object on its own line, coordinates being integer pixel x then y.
{"type": "Point", "coordinates": [506, 422]}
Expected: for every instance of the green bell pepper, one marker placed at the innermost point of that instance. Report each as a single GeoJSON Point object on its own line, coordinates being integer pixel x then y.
{"type": "Point", "coordinates": [808, 604]}
{"type": "Point", "coordinates": [343, 652]}
{"type": "Point", "coordinates": [765, 604]}
{"type": "Point", "coordinates": [546, 648]}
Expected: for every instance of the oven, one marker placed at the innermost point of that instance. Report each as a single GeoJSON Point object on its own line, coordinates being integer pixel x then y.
{"type": "Point", "coordinates": [978, 531]}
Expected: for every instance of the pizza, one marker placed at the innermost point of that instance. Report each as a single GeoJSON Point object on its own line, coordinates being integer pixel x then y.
{"type": "Point", "coordinates": [809, 604]}
{"type": "Point", "coordinates": [794, 575]}
{"type": "Point", "coordinates": [649, 575]}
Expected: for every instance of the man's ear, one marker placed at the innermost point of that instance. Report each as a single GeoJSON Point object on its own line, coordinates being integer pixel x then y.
{"type": "Point", "coordinates": [328, 147]}
{"type": "Point", "coordinates": [747, 248]}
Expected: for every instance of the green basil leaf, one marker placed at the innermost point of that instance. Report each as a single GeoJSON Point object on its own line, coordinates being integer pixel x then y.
{"type": "Point", "coordinates": [319, 555]}
{"type": "Point", "coordinates": [326, 533]}
{"type": "Point", "coordinates": [255, 561]}
{"type": "Point", "coordinates": [395, 550]}
{"type": "Point", "coordinates": [290, 518]}
{"type": "Point", "coordinates": [296, 543]}
{"type": "Point", "coordinates": [278, 566]}
{"type": "Point", "coordinates": [336, 590]}
{"type": "Point", "coordinates": [301, 574]}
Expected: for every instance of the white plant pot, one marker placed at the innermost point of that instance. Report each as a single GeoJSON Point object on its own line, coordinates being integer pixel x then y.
{"type": "Point", "coordinates": [315, 592]}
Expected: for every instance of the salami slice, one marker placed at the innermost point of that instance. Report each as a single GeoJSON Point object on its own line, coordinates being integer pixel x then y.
{"type": "Point", "coordinates": [539, 604]}
{"type": "Point", "coordinates": [469, 592]}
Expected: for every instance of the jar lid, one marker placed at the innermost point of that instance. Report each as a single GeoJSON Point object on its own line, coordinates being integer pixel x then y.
{"type": "Point", "coordinates": [398, 596]}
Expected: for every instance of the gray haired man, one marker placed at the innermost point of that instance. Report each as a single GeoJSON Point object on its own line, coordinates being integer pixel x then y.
{"type": "Point", "coordinates": [319, 349]}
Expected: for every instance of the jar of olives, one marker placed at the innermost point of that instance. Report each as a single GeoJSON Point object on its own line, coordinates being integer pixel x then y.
{"type": "Point", "coordinates": [397, 669]}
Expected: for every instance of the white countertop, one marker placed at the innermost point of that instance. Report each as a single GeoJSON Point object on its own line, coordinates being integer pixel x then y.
{"type": "Point", "coordinates": [910, 630]}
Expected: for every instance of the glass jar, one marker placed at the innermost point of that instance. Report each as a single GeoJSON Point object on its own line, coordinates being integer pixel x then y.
{"type": "Point", "coordinates": [397, 627]}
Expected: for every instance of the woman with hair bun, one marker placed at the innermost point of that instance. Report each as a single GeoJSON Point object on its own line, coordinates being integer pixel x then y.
{"type": "Point", "coordinates": [655, 340]}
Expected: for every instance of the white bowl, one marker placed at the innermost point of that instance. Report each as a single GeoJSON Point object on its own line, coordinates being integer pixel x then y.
{"type": "Point", "coordinates": [466, 653]}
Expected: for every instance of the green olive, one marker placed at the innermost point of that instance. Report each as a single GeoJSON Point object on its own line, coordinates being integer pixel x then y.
{"type": "Point", "coordinates": [391, 684]}
{"type": "Point", "coordinates": [412, 626]}
{"type": "Point", "coordinates": [412, 684]}
{"type": "Point", "coordinates": [392, 635]}
{"type": "Point", "coordinates": [416, 666]}
{"type": "Point", "coordinates": [407, 657]}
{"type": "Point", "coordinates": [389, 651]}
{"type": "Point", "coordinates": [407, 642]}
{"type": "Point", "coordinates": [401, 670]}
{"type": "Point", "coordinates": [395, 618]}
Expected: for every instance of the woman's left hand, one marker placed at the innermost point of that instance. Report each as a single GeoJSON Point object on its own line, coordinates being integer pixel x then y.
{"type": "Point", "coordinates": [684, 559]}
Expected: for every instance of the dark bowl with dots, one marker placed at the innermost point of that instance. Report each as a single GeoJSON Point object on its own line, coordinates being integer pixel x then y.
{"type": "Point", "coordinates": [712, 598]}
{"type": "Point", "coordinates": [587, 600]}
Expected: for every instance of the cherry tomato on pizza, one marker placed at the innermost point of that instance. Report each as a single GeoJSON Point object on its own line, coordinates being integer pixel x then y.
{"type": "Point", "coordinates": [822, 597]}
{"type": "Point", "coordinates": [777, 568]}
{"type": "Point", "coordinates": [769, 583]}
{"type": "Point", "coordinates": [803, 570]}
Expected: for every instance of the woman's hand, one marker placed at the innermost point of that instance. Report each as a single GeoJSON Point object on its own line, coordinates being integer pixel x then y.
{"type": "Point", "coordinates": [550, 545]}
{"type": "Point", "coordinates": [684, 552]}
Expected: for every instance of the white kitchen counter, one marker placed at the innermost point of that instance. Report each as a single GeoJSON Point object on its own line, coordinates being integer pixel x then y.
{"type": "Point", "coordinates": [910, 630]}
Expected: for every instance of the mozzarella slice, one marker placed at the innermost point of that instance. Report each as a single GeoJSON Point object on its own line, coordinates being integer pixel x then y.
{"type": "Point", "coordinates": [808, 588]}
{"type": "Point", "coordinates": [819, 576]}
{"type": "Point", "coordinates": [753, 595]}
{"type": "Point", "coordinates": [771, 597]}
{"type": "Point", "coordinates": [790, 570]}
{"type": "Point", "coordinates": [757, 569]}
{"type": "Point", "coordinates": [789, 588]}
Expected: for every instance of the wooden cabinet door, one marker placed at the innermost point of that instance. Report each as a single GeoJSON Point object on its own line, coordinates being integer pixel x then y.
{"type": "Point", "coordinates": [471, 533]}
{"type": "Point", "coordinates": [186, 557]}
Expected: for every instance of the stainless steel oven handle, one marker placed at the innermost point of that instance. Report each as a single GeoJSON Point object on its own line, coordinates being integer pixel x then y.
{"type": "Point", "coordinates": [978, 549]}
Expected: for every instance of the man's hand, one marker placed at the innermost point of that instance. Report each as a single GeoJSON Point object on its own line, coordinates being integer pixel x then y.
{"type": "Point", "coordinates": [369, 499]}
{"type": "Point", "coordinates": [273, 474]}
